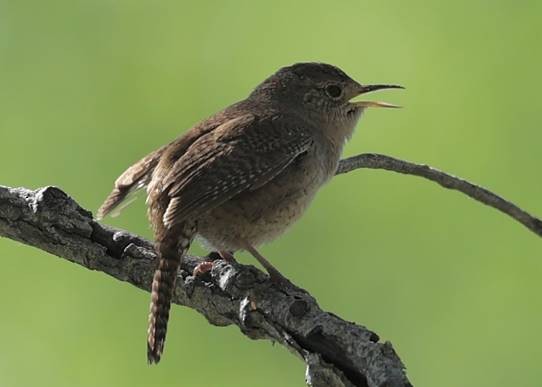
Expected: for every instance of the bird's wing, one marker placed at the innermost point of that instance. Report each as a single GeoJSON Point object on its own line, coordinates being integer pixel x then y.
{"type": "Point", "coordinates": [240, 155]}
{"type": "Point", "coordinates": [139, 175]}
{"type": "Point", "coordinates": [131, 180]}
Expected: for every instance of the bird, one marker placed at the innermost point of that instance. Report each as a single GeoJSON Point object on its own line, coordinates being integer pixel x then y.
{"type": "Point", "coordinates": [243, 176]}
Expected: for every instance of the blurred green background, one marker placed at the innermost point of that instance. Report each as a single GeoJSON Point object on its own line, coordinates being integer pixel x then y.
{"type": "Point", "coordinates": [87, 87]}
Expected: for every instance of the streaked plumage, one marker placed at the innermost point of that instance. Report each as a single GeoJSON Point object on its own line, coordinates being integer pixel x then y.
{"type": "Point", "coordinates": [243, 176]}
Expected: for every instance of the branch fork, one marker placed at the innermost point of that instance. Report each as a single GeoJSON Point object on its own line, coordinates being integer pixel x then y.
{"type": "Point", "coordinates": [337, 353]}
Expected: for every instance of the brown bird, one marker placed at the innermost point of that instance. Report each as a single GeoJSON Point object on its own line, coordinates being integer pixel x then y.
{"type": "Point", "coordinates": [242, 176]}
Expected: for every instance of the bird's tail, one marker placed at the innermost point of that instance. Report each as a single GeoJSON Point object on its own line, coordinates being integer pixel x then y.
{"type": "Point", "coordinates": [171, 247]}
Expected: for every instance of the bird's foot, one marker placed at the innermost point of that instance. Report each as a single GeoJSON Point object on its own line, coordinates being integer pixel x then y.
{"type": "Point", "coordinates": [202, 268]}
{"type": "Point", "coordinates": [207, 265]}
{"type": "Point", "coordinates": [277, 278]}
{"type": "Point", "coordinates": [274, 275]}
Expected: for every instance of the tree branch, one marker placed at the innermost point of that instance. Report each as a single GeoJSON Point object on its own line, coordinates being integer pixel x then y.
{"type": "Point", "coordinates": [337, 353]}
{"type": "Point", "coordinates": [377, 161]}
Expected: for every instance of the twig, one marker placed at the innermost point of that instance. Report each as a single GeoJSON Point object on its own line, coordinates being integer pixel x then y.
{"type": "Point", "coordinates": [377, 161]}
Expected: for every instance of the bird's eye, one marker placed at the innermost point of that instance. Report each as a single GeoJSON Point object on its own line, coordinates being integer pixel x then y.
{"type": "Point", "coordinates": [334, 91]}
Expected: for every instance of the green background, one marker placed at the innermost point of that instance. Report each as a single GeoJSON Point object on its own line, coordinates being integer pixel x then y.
{"type": "Point", "coordinates": [87, 87]}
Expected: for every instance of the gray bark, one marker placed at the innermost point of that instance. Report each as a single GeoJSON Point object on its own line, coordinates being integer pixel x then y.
{"type": "Point", "coordinates": [337, 353]}
{"type": "Point", "coordinates": [474, 191]}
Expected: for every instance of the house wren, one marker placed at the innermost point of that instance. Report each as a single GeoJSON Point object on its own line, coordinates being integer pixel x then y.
{"type": "Point", "coordinates": [242, 176]}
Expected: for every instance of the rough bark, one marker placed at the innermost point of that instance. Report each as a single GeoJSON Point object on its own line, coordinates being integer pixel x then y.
{"type": "Point", "coordinates": [337, 353]}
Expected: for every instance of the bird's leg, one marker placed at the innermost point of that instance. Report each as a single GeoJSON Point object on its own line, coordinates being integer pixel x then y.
{"type": "Point", "coordinates": [227, 256]}
{"type": "Point", "coordinates": [274, 274]}
{"type": "Point", "coordinates": [207, 265]}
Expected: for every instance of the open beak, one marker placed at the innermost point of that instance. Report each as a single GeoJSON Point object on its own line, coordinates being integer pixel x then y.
{"type": "Point", "coordinates": [368, 89]}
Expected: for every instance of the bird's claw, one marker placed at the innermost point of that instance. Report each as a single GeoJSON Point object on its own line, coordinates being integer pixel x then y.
{"type": "Point", "coordinates": [202, 268]}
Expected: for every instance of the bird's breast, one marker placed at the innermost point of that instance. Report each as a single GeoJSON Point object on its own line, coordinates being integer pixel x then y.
{"type": "Point", "coordinates": [262, 215]}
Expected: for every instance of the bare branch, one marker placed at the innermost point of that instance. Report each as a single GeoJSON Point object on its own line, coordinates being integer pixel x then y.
{"type": "Point", "coordinates": [377, 161]}
{"type": "Point", "coordinates": [337, 353]}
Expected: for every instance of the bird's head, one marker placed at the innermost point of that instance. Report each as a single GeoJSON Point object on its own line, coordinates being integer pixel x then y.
{"type": "Point", "coordinates": [322, 93]}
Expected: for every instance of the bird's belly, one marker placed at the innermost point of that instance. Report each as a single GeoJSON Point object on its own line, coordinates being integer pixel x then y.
{"type": "Point", "coordinates": [261, 215]}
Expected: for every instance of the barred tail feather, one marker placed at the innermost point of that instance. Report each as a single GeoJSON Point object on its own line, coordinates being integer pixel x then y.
{"type": "Point", "coordinates": [171, 248]}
